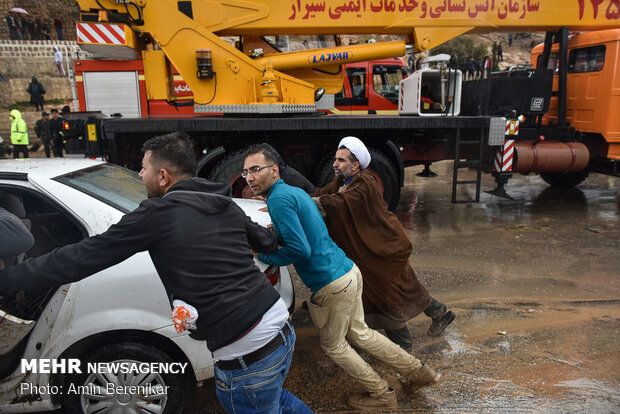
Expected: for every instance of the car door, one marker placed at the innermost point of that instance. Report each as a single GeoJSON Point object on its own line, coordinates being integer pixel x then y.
{"type": "Point", "coordinates": [51, 227]}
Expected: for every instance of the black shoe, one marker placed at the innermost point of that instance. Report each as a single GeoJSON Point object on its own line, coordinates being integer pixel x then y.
{"type": "Point", "coordinates": [438, 325]}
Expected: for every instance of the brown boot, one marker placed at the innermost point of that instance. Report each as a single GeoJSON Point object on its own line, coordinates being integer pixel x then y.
{"type": "Point", "coordinates": [438, 325]}
{"type": "Point", "coordinates": [425, 376]}
{"type": "Point", "coordinates": [365, 401]}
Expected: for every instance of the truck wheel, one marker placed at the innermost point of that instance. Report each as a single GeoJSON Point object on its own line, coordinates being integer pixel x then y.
{"type": "Point", "coordinates": [92, 392]}
{"type": "Point", "coordinates": [324, 171]}
{"type": "Point", "coordinates": [569, 179]}
{"type": "Point", "coordinates": [382, 168]}
{"type": "Point", "coordinates": [228, 171]}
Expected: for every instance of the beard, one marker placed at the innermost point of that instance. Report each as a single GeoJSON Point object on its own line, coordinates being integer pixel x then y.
{"type": "Point", "coordinates": [342, 173]}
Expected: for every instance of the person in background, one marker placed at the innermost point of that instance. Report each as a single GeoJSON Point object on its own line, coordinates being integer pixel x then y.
{"type": "Point", "coordinates": [28, 24]}
{"type": "Point", "coordinates": [58, 61]}
{"type": "Point", "coordinates": [477, 69]}
{"type": "Point", "coordinates": [42, 130]}
{"type": "Point", "coordinates": [58, 27]}
{"type": "Point", "coordinates": [12, 25]}
{"type": "Point", "coordinates": [45, 31]}
{"type": "Point", "coordinates": [360, 223]}
{"type": "Point", "coordinates": [38, 35]}
{"type": "Point", "coordinates": [19, 134]}
{"type": "Point", "coordinates": [56, 132]}
{"type": "Point", "coordinates": [19, 27]}
{"type": "Point", "coordinates": [36, 91]}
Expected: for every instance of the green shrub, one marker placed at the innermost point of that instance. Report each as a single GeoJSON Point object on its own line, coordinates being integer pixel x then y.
{"type": "Point", "coordinates": [20, 106]}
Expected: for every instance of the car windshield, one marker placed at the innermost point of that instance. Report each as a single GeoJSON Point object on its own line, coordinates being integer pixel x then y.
{"type": "Point", "coordinates": [117, 186]}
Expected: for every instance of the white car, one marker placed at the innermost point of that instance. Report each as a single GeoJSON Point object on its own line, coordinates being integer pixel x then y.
{"type": "Point", "coordinates": [120, 314]}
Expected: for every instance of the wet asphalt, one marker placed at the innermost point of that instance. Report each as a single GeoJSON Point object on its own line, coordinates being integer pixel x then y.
{"type": "Point", "coordinates": [535, 284]}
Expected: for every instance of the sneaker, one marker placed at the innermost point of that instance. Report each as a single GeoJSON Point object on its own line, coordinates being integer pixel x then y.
{"type": "Point", "coordinates": [438, 325]}
{"type": "Point", "coordinates": [425, 376]}
{"type": "Point", "coordinates": [364, 401]}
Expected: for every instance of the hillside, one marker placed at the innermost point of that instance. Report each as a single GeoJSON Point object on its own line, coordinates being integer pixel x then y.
{"type": "Point", "coordinates": [519, 52]}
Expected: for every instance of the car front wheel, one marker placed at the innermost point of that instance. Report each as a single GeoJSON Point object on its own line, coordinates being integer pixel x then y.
{"type": "Point", "coordinates": [124, 390]}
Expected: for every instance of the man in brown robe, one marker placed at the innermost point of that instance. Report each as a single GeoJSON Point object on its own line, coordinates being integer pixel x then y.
{"type": "Point", "coordinates": [359, 222]}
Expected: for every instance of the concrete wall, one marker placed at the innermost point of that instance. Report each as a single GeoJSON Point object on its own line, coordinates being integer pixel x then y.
{"type": "Point", "coordinates": [21, 60]}
{"type": "Point", "coordinates": [56, 88]}
{"type": "Point", "coordinates": [24, 59]}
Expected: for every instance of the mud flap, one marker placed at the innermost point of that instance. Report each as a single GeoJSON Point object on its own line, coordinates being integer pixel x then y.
{"type": "Point", "coordinates": [12, 331]}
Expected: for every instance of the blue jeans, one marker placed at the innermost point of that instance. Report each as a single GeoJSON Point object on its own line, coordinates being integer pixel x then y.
{"type": "Point", "coordinates": [258, 387]}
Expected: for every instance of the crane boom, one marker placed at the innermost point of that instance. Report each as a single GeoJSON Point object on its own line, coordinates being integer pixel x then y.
{"type": "Point", "coordinates": [180, 28]}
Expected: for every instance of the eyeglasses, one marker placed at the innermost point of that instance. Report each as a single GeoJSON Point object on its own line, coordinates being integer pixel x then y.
{"type": "Point", "coordinates": [254, 170]}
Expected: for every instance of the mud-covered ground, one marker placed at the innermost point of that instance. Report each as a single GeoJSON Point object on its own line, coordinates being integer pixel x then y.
{"type": "Point", "coordinates": [535, 284]}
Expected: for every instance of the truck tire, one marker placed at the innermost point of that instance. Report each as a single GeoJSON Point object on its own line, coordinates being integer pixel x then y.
{"type": "Point", "coordinates": [165, 392]}
{"type": "Point", "coordinates": [228, 171]}
{"type": "Point", "coordinates": [382, 168]}
{"type": "Point", "coordinates": [324, 171]}
{"type": "Point", "coordinates": [569, 179]}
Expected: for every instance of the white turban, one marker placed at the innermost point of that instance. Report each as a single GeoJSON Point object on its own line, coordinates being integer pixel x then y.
{"type": "Point", "coordinates": [357, 147]}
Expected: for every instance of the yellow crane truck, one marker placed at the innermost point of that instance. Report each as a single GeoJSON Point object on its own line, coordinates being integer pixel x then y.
{"type": "Point", "coordinates": [236, 72]}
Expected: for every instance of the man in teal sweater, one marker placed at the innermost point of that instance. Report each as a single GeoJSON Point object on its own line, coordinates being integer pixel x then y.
{"type": "Point", "coordinates": [336, 283]}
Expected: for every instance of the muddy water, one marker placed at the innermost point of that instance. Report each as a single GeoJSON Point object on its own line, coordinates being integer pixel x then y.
{"type": "Point", "coordinates": [535, 284]}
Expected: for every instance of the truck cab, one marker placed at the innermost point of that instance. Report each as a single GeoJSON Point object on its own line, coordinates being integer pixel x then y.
{"type": "Point", "coordinates": [593, 88]}
{"type": "Point", "coordinates": [371, 87]}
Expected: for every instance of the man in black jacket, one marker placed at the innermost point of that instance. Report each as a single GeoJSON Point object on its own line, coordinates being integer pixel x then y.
{"type": "Point", "coordinates": [42, 129]}
{"type": "Point", "coordinates": [200, 241]}
{"type": "Point", "coordinates": [36, 91]}
{"type": "Point", "coordinates": [56, 133]}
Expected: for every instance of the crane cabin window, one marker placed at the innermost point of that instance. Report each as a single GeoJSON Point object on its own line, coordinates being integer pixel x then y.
{"type": "Point", "coordinates": [386, 79]}
{"type": "Point", "coordinates": [357, 81]}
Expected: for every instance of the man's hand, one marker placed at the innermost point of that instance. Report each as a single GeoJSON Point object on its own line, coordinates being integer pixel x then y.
{"type": "Point", "coordinates": [270, 227]}
{"type": "Point", "coordinates": [261, 198]}
{"type": "Point", "coordinates": [255, 254]}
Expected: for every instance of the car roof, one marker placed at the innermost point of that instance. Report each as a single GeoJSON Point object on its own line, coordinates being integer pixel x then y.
{"type": "Point", "coordinates": [45, 167]}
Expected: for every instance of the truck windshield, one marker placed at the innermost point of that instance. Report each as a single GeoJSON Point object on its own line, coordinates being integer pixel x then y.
{"type": "Point", "coordinates": [116, 186]}
{"type": "Point", "coordinates": [385, 79]}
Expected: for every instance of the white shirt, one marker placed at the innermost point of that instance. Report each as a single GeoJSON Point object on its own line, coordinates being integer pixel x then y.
{"type": "Point", "coordinates": [58, 57]}
{"type": "Point", "coordinates": [269, 326]}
